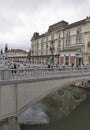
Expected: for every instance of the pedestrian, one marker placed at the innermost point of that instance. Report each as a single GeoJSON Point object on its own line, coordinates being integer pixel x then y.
{"type": "Point", "coordinates": [60, 68]}
{"type": "Point", "coordinates": [63, 66]}
{"type": "Point", "coordinates": [48, 65]}
{"type": "Point", "coordinates": [15, 68]}
{"type": "Point", "coordinates": [72, 65]}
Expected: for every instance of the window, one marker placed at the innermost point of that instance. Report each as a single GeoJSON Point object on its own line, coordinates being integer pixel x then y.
{"type": "Point", "coordinates": [68, 34]}
{"type": "Point", "coordinates": [46, 38]}
{"type": "Point", "coordinates": [37, 45]}
{"type": "Point", "coordinates": [42, 46]}
{"type": "Point", "coordinates": [68, 42]}
{"type": "Point", "coordinates": [58, 43]}
{"type": "Point", "coordinates": [42, 40]}
{"type": "Point", "coordinates": [59, 52]}
{"type": "Point", "coordinates": [52, 43]}
{"type": "Point", "coordinates": [37, 53]}
{"type": "Point", "coordinates": [78, 30]}
{"type": "Point", "coordinates": [59, 35]}
{"type": "Point", "coordinates": [78, 40]}
{"type": "Point", "coordinates": [52, 36]}
{"type": "Point", "coordinates": [41, 53]}
{"type": "Point", "coordinates": [66, 60]}
{"type": "Point", "coordinates": [46, 45]}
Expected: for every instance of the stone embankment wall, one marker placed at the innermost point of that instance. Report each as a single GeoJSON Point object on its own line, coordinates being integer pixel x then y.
{"type": "Point", "coordinates": [82, 83]}
{"type": "Point", "coordinates": [9, 124]}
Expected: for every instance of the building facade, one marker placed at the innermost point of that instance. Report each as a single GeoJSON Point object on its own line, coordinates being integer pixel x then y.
{"type": "Point", "coordinates": [14, 55]}
{"type": "Point", "coordinates": [63, 43]}
{"type": "Point", "coordinates": [17, 55]}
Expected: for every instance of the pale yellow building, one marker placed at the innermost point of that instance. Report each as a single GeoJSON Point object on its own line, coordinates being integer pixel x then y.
{"type": "Point", "coordinates": [63, 43]}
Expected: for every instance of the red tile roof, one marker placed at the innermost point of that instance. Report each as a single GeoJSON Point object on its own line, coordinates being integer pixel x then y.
{"type": "Point", "coordinates": [17, 51]}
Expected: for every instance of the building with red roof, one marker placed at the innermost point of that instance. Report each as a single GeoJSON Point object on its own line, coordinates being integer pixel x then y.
{"type": "Point", "coordinates": [17, 55]}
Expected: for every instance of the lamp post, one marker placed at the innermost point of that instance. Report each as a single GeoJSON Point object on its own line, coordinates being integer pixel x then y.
{"type": "Point", "coordinates": [6, 50]}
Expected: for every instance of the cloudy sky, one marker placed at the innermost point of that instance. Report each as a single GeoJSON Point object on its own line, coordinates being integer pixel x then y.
{"type": "Point", "coordinates": [19, 19]}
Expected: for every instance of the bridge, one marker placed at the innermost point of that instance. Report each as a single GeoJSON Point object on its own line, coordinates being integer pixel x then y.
{"type": "Point", "coordinates": [20, 89]}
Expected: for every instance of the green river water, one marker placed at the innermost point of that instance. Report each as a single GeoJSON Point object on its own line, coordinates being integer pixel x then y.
{"type": "Point", "coordinates": [67, 109]}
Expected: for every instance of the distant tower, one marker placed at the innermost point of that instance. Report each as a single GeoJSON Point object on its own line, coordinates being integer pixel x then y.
{"type": "Point", "coordinates": [1, 51]}
{"type": "Point", "coordinates": [6, 48]}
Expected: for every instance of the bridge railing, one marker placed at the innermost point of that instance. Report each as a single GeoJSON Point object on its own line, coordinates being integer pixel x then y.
{"type": "Point", "coordinates": [11, 74]}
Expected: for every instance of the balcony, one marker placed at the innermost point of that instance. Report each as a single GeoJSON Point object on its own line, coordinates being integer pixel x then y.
{"type": "Point", "coordinates": [74, 46]}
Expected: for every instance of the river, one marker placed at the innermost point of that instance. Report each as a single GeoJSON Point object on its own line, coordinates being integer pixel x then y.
{"type": "Point", "coordinates": [64, 109]}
